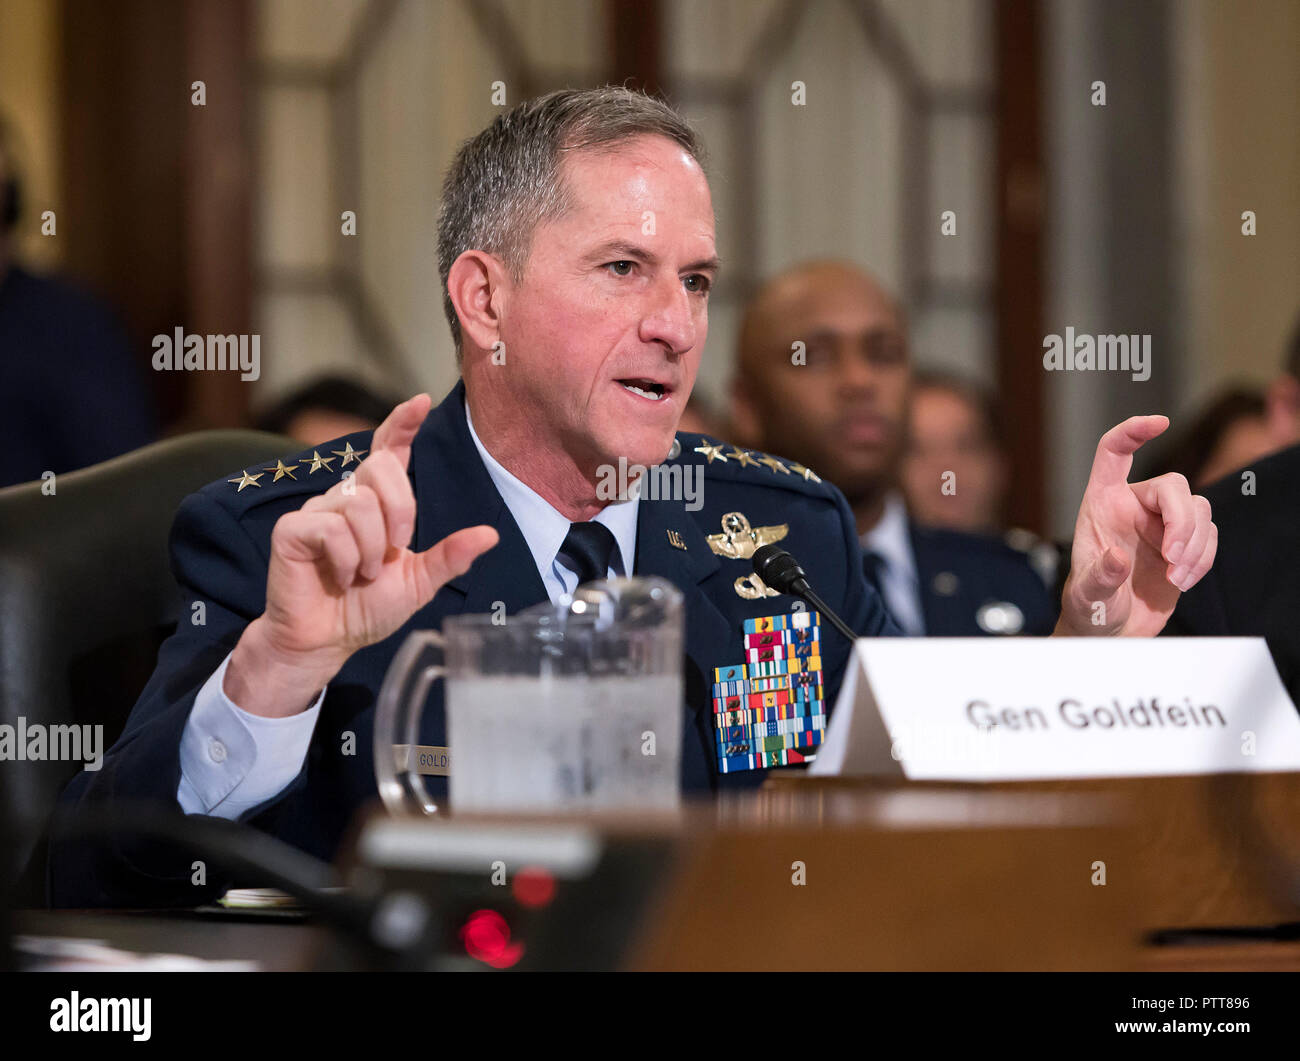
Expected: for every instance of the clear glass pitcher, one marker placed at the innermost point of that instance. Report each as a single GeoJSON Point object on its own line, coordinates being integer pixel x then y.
{"type": "Point", "coordinates": [569, 706]}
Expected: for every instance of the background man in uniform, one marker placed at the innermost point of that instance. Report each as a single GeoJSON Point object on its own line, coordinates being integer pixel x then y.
{"type": "Point", "coordinates": [842, 408]}
{"type": "Point", "coordinates": [580, 330]}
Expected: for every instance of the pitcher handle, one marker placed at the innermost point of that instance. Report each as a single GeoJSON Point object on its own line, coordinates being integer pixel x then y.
{"type": "Point", "coordinates": [401, 700]}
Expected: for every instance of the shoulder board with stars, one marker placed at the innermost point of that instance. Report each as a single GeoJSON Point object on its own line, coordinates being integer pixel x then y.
{"type": "Point", "coordinates": [724, 460]}
{"type": "Point", "coordinates": [311, 471]}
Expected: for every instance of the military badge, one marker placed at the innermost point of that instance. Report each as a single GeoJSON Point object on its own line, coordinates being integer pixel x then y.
{"type": "Point", "coordinates": [739, 541]}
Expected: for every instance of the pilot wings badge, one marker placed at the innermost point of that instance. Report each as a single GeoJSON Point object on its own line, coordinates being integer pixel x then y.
{"type": "Point", "coordinates": [739, 541]}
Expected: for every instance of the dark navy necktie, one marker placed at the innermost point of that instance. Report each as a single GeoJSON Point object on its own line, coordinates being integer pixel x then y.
{"type": "Point", "coordinates": [874, 566]}
{"type": "Point", "coordinates": [588, 549]}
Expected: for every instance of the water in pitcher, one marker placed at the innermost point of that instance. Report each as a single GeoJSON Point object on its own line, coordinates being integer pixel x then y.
{"type": "Point", "coordinates": [564, 707]}
{"type": "Point", "coordinates": [564, 743]}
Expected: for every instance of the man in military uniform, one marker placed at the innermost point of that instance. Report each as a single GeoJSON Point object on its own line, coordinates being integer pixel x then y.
{"type": "Point", "coordinates": [824, 375]}
{"type": "Point", "coordinates": [580, 328]}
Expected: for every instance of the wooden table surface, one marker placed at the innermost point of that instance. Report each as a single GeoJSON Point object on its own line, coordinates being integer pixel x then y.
{"type": "Point", "coordinates": [909, 876]}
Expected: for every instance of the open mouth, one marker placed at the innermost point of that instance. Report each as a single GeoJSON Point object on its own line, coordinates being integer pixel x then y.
{"type": "Point", "coordinates": [645, 388]}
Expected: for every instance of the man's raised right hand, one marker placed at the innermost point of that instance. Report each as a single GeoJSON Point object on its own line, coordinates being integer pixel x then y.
{"type": "Point", "coordinates": [341, 576]}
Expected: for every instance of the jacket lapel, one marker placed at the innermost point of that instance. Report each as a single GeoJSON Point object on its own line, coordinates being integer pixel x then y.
{"type": "Point", "coordinates": [660, 524]}
{"type": "Point", "coordinates": [709, 633]}
{"type": "Point", "coordinates": [454, 490]}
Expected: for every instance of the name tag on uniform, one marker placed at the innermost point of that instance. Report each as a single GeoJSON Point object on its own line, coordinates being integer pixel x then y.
{"type": "Point", "coordinates": [974, 709]}
{"type": "Point", "coordinates": [430, 760]}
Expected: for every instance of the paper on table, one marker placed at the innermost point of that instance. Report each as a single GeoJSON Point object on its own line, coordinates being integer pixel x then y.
{"type": "Point", "coordinates": [60, 954]}
{"type": "Point", "coordinates": [257, 899]}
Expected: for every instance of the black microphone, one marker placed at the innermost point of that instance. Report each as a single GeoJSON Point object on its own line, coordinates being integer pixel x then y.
{"type": "Point", "coordinates": [782, 572]}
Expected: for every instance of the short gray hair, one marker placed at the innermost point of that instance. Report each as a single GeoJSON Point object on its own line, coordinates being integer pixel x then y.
{"type": "Point", "coordinates": [506, 179]}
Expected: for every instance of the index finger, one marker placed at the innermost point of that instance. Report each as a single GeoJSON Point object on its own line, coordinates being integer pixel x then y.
{"type": "Point", "coordinates": [399, 428]}
{"type": "Point", "coordinates": [1114, 459]}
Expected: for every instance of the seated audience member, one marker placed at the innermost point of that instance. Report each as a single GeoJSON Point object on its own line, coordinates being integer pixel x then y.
{"type": "Point", "coordinates": [1254, 588]}
{"type": "Point", "coordinates": [954, 427]}
{"type": "Point", "coordinates": [1230, 432]}
{"type": "Point", "coordinates": [840, 408]}
{"type": "Point", "coordinates": [1282, 399]}
{"type": "Point", "coordinates": [325, 408]}
{"type": "Point", "coordinates": [71, 392]}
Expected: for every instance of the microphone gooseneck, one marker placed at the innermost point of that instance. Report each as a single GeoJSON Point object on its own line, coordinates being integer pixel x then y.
{"type": "Point", "coordinates": [778, 569]}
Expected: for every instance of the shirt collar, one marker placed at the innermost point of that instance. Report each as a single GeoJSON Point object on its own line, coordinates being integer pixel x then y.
{"type": "Point", "coordinates": [890, 539]}
{"type": "Point", "coordinates": [543, 526]}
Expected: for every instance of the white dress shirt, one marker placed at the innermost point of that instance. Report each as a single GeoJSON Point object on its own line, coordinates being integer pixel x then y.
{"type": "Point", "coordinates": [899, 581]}
{"type": "Point", "coordinates": [544, 528]}
{"type": "Point", "coordinates": [233, 761]}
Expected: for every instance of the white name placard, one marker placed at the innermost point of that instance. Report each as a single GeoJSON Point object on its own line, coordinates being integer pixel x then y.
{"type": "Point", "coordinates": [1020, 709]}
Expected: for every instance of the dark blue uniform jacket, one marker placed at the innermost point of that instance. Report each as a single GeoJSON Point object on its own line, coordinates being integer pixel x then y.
{"type": "Point", "coordinates": [220, 548]}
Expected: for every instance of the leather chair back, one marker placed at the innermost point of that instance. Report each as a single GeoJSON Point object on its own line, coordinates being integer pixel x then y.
{"type": "Point", "coordinates": [87, 596]}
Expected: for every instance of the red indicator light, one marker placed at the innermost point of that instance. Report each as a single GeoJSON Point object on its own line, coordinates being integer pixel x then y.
{"type": "Point", "coordinates": [486, 937]}
{"type": "Point", "coordinates": [534, 887]}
